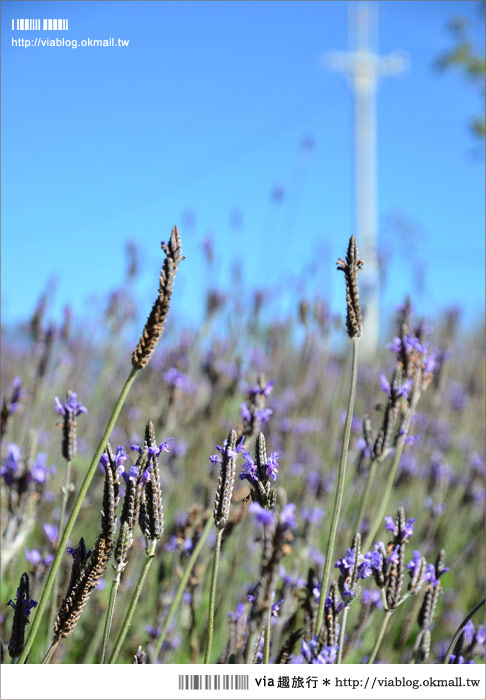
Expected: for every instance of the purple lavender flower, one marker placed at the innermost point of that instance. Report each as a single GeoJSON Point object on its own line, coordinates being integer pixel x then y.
{"type": "Point", "coordinates": [245, 413]}
{"type": "Point", "coordinates": [407, 531]}
{"type": "Point", "coordinates": [287, 516]}
{"type": "Point", "coordinates": [16, 395]}
{"type": "Point", "coordinates": [178, 380]}
{"type": "Point", "coordinates": [33, 556]}
{"type": "Point", "coordinates": [27, 603]}
{"type": "Point", "coordinates": [263, 415]}
{"type": "Point", "coordinates": [272, 466]}
{"type": "Point", "coordinates": [311, 653]}
{"type": "Point", "coordinates": [432, 575]}
{"type": "Point", "coordinates": [249, 471]}
{"type": "Point", "coordinates": [238, 613]}
{"type": "Point", "coordinates": [414, 563]}
{"type": "Point", "coordinates": [372, 597]}
{"type": "Point", "coordinates": [346, 563]}
{"type": "Point", "coordinates": [216, 459]}
{"type": "Point", "coordinates": [371, 561]}
{"type": "Point", "coordinates": [469, 632]}
{"type": "Point", "coordinates": [51, 532]}
{"type": "Point", "coordinates": [312, 515]}
{"type": "Point", "coordinates": [79, 554]}
{"type": "Point", "coordinates": [396, 345]}
{"type": "Point", "coordinates": [12, 463]}
{"type": "Point", "coordinates": [163, 447]}
{"type": "Point", "coordinates": [72, 405]}
{"type": "Point", "coordinates": [39, 471]}
{"type": "Point", "coordinates": [262, 391]}
{"type": "Point", "coordinates": [262, 515]}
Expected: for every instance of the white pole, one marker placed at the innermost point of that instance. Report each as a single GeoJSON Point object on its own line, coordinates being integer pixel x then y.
{"type": "Point", "coordinates": [363, 68]}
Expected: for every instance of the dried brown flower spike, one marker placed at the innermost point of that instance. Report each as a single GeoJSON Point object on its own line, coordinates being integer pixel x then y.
{"type": "Point", "coordinates": [156, 320]}
{"type": "Point", "coordinates": [226, 482]}
{"type": "Point", "coordinates": [350, 267]}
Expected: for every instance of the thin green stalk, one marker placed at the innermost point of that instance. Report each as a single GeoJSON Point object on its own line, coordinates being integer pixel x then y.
{"type": "Point", "coordinates": [65, 495]}
{"type": "Point", "coordinates": [109, 615]}
{"type": "Point", "coordinates": [74, 514]}
{"type": "Point", "coordinates": [212, 596]}
{"type": "Point", "coordinates": [344, 618]}
{"type": "Point", "coordinates": [460, 628]}
{"type": "Point", "coordinates": [366, 495]}
{"type": "Point", "coordinates": [416, 647]}
{"type": "Point", "coordinates": [50, 652]}
{"type": "Point", "coordinates": [340, 487]}
{"type": "Point", "coordinates": [268, 633]}
{"type": "Point", "coordinates": [136, 595]}
{"type": "Point", "coordinates": [182, 585]}
{"type": "Point", "coordinates": [384, 625]}
{"type": "Point", "coordinates": [378, 521]}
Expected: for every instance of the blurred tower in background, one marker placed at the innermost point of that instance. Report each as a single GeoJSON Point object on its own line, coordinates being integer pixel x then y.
{"type": "Point", "coordinates": [363, 68]}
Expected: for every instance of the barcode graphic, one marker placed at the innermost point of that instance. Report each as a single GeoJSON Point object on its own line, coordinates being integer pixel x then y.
{"type": "Point", "coordinates": [30, 25]}
{"type": "Point", "coordinates": [207, 682]}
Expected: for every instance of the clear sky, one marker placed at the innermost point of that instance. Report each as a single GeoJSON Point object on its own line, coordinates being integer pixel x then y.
{"type": "Point", "coordinates": [221, 117]}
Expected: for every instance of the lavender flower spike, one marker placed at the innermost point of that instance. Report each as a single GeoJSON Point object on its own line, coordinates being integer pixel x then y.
{"type": "Point", "coordinates": [69, 410]}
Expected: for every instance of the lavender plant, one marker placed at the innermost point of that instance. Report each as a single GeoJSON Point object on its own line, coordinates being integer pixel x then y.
{"type": "Point", "coordinates": [297, 535]}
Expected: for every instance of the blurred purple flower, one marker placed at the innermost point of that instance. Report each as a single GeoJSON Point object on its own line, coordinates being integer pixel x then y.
{"type": "Point", "coordinates": [178, 380]}
{"type": "Point", "coordinates": [39, 471]}
{"type": "Point", "coordinates": [11, 464]}
{"type": "Point", "coordinates": [372, 597]}
{"type": "Point", "coordinates": [262, 515]}
{"type": "Point", "coordinates": [238, 613]}
{"type": "Point", "coordinates": [287, 516]}
{"type": "Point", "coordinates": [312, 515]}
{"type": "Point", "coordinates": [51, 532]}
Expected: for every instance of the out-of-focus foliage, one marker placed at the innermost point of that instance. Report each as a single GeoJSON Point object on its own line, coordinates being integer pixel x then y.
{"type": "Point", "coordinates": [469, 58]}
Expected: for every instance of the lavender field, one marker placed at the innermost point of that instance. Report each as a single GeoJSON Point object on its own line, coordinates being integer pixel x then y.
{"type": "Point", "coordinates": [253, 491]}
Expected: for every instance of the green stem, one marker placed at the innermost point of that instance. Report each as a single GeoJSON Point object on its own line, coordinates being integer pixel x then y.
{"type": "Point", "coordinates": [50, 653]}
{"type": "Point", "coordinates": [378, 521]}
{"type": "Point", "coordinates": [109, 615]}
{"type": "Point", "coordinates": [366, 495]}
{"type": "Point", "coordinates": [416, 646]}
{"type": "Point", "coordinates": [344, 618]}
{"type": "Point", "coordinates": [268, 633]}
{"type": "Point", "coordinates": [460, 628]}
{"type": "Point", "coordinates": [339, 489]}
{"type": "Point", "coordinates": [250, 643]}
{"type": "Point", "coordinates": [384, 625]}
{"type": "Point", "coordinates": [133, 603]}
{"type": "Point", "coordinates": [212, 596]}
{"type": "Point", "coordinates": [182, 585]}
{"type": "Point", "coordinates": [65, 496]}
{"type": "Point", "coordinates": [74, 514]}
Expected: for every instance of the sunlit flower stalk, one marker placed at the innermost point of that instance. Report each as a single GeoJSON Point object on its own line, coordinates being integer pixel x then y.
{"type": "Point", "coordinates": [140, 358]}
{"type": "Point", "coordinates": [350, 267]}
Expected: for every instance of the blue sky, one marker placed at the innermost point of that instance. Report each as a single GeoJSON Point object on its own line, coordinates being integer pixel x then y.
{"type": "Point", "coordinates": [199, 120]}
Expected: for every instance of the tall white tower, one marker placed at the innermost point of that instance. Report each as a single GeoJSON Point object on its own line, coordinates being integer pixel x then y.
{"type": "Point", "coordinates": [363, 68]}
